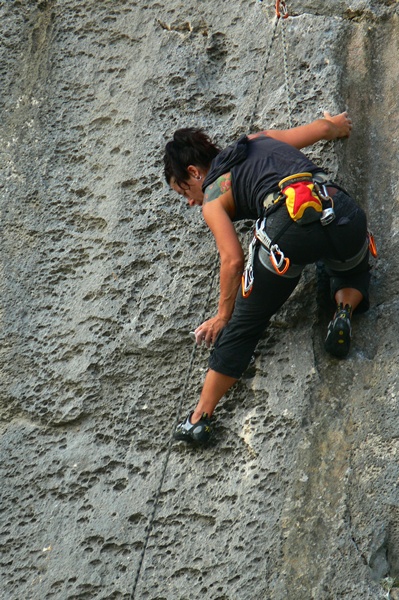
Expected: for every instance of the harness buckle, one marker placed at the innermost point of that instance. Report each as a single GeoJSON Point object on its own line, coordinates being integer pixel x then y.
{"type": "Point", "coordinates": [327, 216]}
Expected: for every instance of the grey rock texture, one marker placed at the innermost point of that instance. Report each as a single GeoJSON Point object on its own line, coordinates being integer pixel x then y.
{"type": "Point", "coordinates": [104, 272]}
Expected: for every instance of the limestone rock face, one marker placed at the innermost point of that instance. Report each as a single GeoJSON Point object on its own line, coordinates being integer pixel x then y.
{"type": "Point", "coordinates": [105, 271]}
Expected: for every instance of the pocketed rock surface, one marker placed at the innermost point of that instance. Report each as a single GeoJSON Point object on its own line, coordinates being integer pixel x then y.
{"type": "Point", "coordinates": [104, 273]}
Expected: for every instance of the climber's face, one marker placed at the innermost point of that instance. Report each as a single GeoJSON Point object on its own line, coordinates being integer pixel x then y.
{"type": "Point", "coordinates": [191, 188]}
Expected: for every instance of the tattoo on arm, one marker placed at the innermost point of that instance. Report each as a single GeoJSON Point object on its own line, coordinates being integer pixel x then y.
{"type": "Point", "coordinates": [218, 187]}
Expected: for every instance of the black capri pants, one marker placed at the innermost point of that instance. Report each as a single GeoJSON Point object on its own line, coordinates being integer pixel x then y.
{"type": "Point", "coordinates": [335, 245]}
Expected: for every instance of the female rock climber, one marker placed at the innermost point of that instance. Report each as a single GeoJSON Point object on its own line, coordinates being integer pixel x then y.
{"type": "Point", "coordinates": [236, 183]}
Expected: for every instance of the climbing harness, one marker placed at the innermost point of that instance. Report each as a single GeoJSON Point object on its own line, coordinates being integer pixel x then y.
{"type": "Point", "coordinates": [300, 192]}
{"type": "Point", "coordinates": [307, 200]}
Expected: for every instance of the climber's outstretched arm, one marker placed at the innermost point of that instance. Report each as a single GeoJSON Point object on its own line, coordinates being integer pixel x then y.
{"type": "Point", "coordinates": [329, 128]}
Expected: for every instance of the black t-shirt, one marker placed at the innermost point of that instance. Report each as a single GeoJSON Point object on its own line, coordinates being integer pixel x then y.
{"type": "Point", "coordinates": [256, 167]}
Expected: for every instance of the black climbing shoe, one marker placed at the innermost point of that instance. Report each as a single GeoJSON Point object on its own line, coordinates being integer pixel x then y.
{"type": "Point", "coordinates": [339, 332]}
{"type": "Point", "coordinates": [198, 433]}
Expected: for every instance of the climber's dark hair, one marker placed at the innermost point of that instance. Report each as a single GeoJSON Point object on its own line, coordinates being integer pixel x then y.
{"type": "Point", "coordinates": [190, 146]}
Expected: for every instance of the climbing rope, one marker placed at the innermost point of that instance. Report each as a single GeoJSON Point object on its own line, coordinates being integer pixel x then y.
{"type": "Point", "coordinates": [268, 54]}
{"type": "Point", "coordinates": [280, 17]}
{"type": "Point", "coordinates": [281, 14]}
{"type": "Point", "coordinates": [285, 64]}
{"type": "Point", "coordinates": [169, 444]}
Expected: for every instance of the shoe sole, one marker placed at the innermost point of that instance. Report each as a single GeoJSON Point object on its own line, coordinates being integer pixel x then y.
{"type": "Point", "coordinates": [201, 437]}
{"type": "Point", "coordinates": [190, 440]}
{"type": "Point", "coordinates": [338, 340]}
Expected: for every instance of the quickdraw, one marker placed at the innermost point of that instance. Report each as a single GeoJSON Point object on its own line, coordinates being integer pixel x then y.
{"type": "Point", "coordinates": [280, 4]}
{"type": "Point", "coordinates": [279, 261]}
{"type": "Point", "coordinates": [284, 10]}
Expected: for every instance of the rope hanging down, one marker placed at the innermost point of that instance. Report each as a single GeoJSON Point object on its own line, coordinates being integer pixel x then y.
{"type": "Point", "coordinates": [169, 448]}
{"type": "Point", "coordinates": [280, 16]}
{"type": "Point", "coordinates": [280, 6]}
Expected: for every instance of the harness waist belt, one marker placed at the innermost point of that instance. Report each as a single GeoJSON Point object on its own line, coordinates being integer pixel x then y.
{"type": "Point", "coordinates": [319, 177]}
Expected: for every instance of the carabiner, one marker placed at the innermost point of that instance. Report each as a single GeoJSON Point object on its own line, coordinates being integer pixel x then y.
{"type": "Point", "coordinates": [281, 264]}
{"type": "Point", "coordinates": [372, 245]}
{"type": "Point", "coordinates": [284, 9]}
{"type": "Point", "coordinates": [247, 282]}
